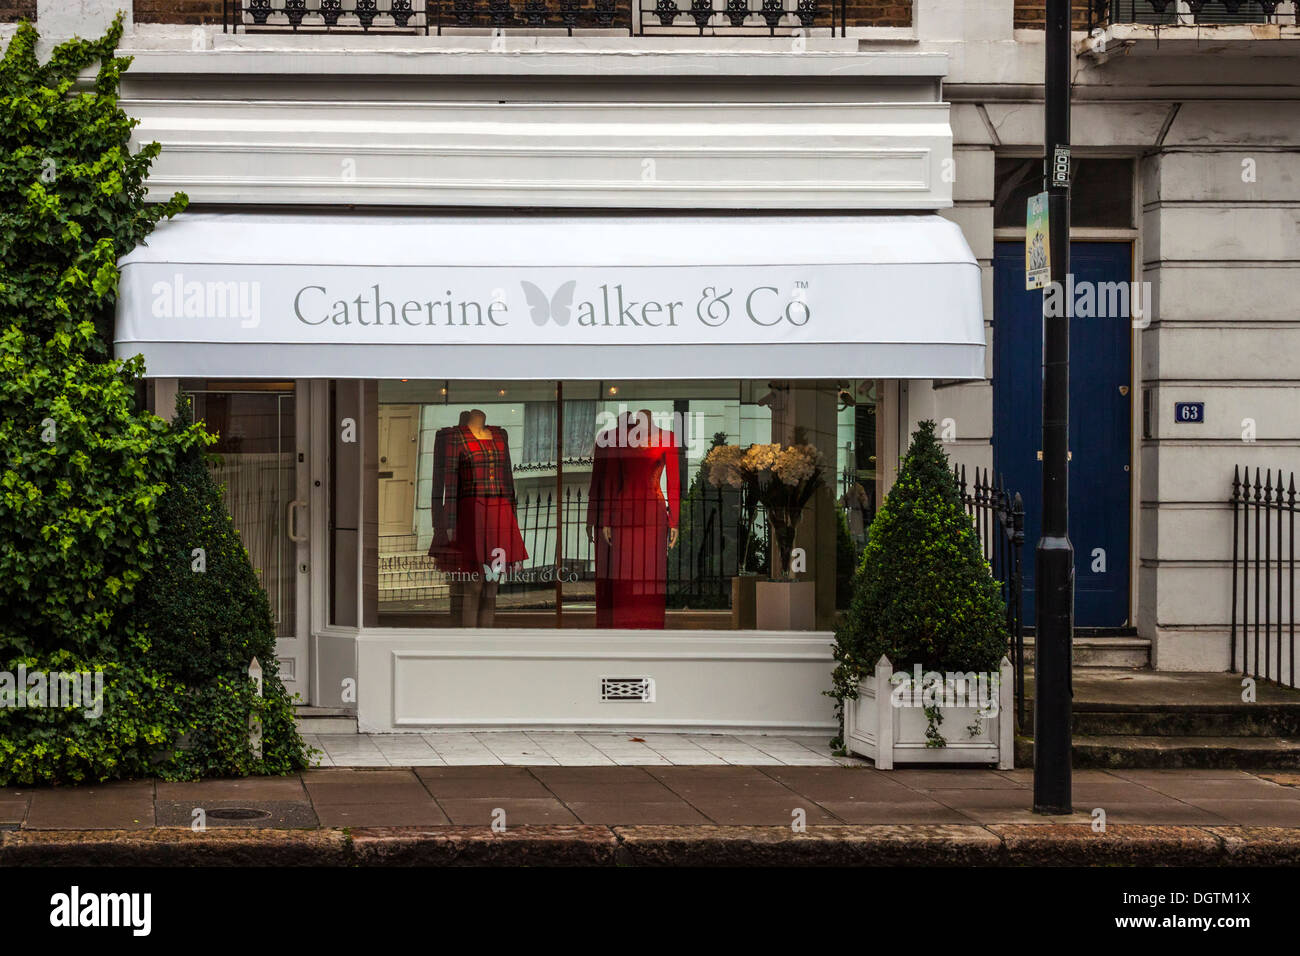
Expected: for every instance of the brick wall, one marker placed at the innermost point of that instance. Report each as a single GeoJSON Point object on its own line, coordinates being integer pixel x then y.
{"type": "Point", "coordinates": [876, 13]}
{"type": "Point", "coordinates": [12, 11]}
{"type": "Point", "coordinates": [177, 11]}
{"type": "Point", "coordinates": [1032, 14]}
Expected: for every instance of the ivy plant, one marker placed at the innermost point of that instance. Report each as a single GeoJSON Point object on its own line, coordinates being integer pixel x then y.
{"type": "Point", "coordinates": [85, 472]}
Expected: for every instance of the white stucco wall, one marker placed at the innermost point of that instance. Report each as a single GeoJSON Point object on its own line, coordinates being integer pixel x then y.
{"type": "Point", "coordinates": [553, 120]}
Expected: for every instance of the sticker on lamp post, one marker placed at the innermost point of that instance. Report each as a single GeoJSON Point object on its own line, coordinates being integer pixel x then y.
{"type": "Point", "coordinates": [1038, 258]}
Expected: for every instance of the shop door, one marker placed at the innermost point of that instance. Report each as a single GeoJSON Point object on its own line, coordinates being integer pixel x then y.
{"type": "Point", "coordinates": [399, 433]}
{"type": "Point", "coordinates": [264, 481]}
{"type": "Point", "coordinates": [1100, 417]}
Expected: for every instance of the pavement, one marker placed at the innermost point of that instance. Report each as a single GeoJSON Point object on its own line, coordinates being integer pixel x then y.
{"type": "Point", "coordinates": [572, 749]}
{"type": "Point", "coordinates": [658, 815]}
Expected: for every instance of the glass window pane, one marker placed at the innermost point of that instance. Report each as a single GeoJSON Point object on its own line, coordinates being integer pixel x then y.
{"type": "Point", "coordinates": [1101, 195]}
{"type": "Point", "coordinates": [591, 504]}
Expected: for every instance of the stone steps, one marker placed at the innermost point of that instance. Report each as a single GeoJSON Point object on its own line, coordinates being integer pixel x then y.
{"type": "Point", "coordinates": [1103, 651]}
{"type": "Point", "coordinates": [1128, 752]}
{"type": "Point", "coordinates": [1245, 721]}
{"type": "Point", "coordinates": [1153, 719]}
{"type": "Point", "coordinates": [324, 720]}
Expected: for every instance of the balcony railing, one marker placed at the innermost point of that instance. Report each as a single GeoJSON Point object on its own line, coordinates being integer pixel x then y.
{"type": "Point", "coordinates": [1103, 13]}
{"type": "Point", "coordinates": [634, 17]}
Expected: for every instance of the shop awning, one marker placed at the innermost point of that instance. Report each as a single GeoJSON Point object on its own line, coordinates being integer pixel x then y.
{"type": "Point", "coordinates": [486, 297]}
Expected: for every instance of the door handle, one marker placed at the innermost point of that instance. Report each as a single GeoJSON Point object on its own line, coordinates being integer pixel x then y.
{"type": "Point", "coordinates": [292, 523]}
{"type": "Point", "coordinates": [1069, 455]}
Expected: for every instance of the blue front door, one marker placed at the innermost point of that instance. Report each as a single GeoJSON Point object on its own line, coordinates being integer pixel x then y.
{"type": "Point", "coordinates": [1100, 424]}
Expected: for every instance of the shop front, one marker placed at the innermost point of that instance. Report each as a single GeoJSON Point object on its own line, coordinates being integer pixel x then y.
{"type": "Point", "coordinates": [489, 467]}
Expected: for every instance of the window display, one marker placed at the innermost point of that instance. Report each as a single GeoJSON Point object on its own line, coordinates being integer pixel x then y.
{"type": "Point", "coordinates": [594, 504]}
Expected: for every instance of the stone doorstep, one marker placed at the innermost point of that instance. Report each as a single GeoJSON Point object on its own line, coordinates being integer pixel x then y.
{"type": "Point", "coordinates": [1035, 844]}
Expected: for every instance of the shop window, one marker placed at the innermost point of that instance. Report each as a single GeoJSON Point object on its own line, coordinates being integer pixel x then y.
{"type": "Point", "coordinates": [1101, 193]}
{"type": "Point", "coordinates": [495, 511]}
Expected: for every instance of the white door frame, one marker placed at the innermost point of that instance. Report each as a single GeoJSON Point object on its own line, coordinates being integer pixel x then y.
{"type": "Point", "coordinates": [293, 653]}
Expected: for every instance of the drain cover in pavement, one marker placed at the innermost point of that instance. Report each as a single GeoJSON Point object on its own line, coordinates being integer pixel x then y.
{"type": "Point", "coordinates": [237, 813]}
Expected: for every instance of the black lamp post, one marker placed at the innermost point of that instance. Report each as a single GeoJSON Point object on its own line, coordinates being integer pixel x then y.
{"type": "Point", "coordinates": [1054, 556]}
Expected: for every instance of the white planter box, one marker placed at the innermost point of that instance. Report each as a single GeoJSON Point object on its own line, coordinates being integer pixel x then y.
{"type": "Point", "coordinates": [876, 728]}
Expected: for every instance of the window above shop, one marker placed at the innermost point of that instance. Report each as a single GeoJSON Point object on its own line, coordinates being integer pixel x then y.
{"type": "Point", "coordinates": [1101, 193]}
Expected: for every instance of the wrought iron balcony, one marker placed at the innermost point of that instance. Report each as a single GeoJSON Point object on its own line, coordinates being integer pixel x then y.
{"type": "Point", "coordinates": [1103, 13]}
{"type": "Point", "coordinates": [635, 17]}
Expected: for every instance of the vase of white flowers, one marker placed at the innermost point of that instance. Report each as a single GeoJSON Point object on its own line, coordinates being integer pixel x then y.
{"type": "Point", "coordinates": [783, 479]}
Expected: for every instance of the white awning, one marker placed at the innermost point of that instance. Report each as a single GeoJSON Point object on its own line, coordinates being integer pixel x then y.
{"type": "Point", "coordinates": [553, 297]}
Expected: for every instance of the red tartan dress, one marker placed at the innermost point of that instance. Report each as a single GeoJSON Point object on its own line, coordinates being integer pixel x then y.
{"type": "Point", "coordinates": [477, 500]}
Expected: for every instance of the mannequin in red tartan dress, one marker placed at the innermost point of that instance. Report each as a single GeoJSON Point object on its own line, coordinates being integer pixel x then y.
{"type": "Point", "coordinates": [637, 522]}
{"type": "Point", "coordinates": [474, 502]}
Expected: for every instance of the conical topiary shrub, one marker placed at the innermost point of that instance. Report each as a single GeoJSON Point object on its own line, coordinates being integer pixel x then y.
{"type": "Point", "coordinates": [923, 593]}
{"type": "Point", "coordinates": [206, 617]}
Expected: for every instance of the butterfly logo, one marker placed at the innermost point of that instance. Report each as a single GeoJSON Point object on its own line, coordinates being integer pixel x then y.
{"type": "Point", "coordinates": [558, 308]}
{"type": "Point", "coordinates": [496, 571]}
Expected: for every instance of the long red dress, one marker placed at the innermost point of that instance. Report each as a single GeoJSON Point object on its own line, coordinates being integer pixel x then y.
{"type": "Point", "coordinates": [627, 496]}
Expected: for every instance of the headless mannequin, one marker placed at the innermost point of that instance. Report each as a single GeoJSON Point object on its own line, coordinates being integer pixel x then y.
{"type": "Point", "coordinates": [638, 433]}
{"type": "Point", "coordinates": [456, 588]}
{"type": "Point", "coordinates": [480, 598]}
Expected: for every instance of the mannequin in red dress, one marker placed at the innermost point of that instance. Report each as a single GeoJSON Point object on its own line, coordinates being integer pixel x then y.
{"type": "Point", "coordinates": [637, 522]}
{"type": "Point", "coordinates": [476, 502]}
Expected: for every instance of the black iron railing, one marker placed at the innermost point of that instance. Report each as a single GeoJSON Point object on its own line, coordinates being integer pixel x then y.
{"type": "Point", "coordinates": [635, 17]}
{"type": "Point", "coordinates": [718, 539]}
{"type": "Point", "coordinates": [999, 518]}
{"type": "Point", "coordinates": [1263, 575]}
{"type": "Point", "coordinates": [1102, 13]}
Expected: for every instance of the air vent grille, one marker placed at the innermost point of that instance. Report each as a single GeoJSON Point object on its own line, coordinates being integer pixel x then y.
{"type": "Point", "coordinates": [637, 689]}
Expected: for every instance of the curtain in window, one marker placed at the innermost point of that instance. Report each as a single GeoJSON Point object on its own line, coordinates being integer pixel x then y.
{"type": "Point", "coordinates": [539, 430]}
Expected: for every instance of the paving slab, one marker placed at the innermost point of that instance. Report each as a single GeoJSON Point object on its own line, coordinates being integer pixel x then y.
{"type": "Point", "coordinates": [762, 811]}
{"type": "Point", "coordinates": [412, 814]}
{"type": "Point", "coordinates": [233, 788]}
{"type": "Point", "coordinates": [616, 813]}
{"type": "Point", "coordinates": [964, 779]}
{"type": "Point", "coordinates": [116, 806]}
{"type": "Point", "coordinates": [1156, 813]}
{"type": "Point", "coordinates": [13, 809]}
{"type": "Point", "coordinates": [1195, 790]}
{"type": "Point", "coordinates": [1269, 813]}
{"type": "Point", "coordinates": [514, 811]}
{"type": "Point", "coordinates": [456, 783]}
{"type": "Point", "coordinates": [912, 811]}
{"type": "Point", "coordinates": [343, 786]}
{"type": "Point", "coordinates": [833, 783]}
